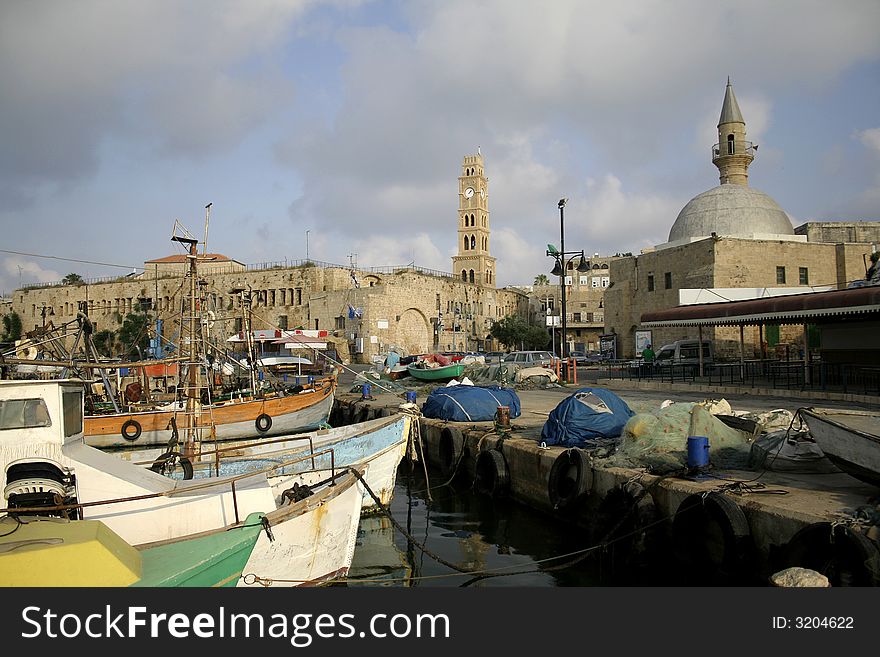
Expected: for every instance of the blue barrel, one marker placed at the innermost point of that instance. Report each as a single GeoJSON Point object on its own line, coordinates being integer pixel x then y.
{"type": "Point", "coordinates": [698, 452]}
{"type": "Point", "coordinates": [411, 397]}
{"type": "Point", "coordinates": [365, 390]}
{"type": "Point", "coordinates": [311, 379]}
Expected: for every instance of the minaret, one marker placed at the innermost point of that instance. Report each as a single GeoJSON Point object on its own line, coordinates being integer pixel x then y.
{"type": "Point", "coordinates": [732, 154]}
{"type": "Point", "coordinates": [473, 264]}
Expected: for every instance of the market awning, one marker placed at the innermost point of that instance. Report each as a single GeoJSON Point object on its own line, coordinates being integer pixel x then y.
{"type": "Point", "coordinates": [790, 309]}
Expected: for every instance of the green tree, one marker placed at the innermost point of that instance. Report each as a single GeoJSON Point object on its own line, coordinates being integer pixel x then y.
{"type": "Point", "coordinates": [537, 338]}
{"type": "Point", "coordinates": [511, 331]}
{"type": "Point", "coordinates": [541, 279]}
{"type": "Point", "coordinates": [11, 327]}
{"type": "Point", "coordinates": [134, 336]}
{"type": "Point", "coordinates": [105, 342]}
{"type": "Point", "coordinates": [72, 279]}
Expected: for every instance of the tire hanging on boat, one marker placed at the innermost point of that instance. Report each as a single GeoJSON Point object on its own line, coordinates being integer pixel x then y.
{"type": "Point", "coordinates": [491, 476]}
{"type": "Point", "coordinates": [711, 533]}
{"type": "Point", "coordinates": [571, 477]}
{"type": "Point", "coordinates": [167, 461]}
{"type": "Point", "coordinates": [846, 557]}
{"type": "Point", "coordinates": [129, 424]}
{"type": "Point", "coordinates": [263, 423]}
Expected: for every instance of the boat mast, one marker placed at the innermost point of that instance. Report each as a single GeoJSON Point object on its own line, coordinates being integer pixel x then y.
{"type": "Point", "coordinates": [193, 406]}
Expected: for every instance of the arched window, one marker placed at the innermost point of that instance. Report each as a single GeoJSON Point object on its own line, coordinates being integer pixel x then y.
{"type": "Point", "coordinates": [464, 275]}
{"type": "Point", "coordinates": [604, 265]}
{"type": "Point", "coordinates": [730, 144]}
{"type": "Point", "coordinates": [466, 242]}
{"type": "Point", "coordinates": [472, 275]}
{"type": "Point", "coordinates": [473, 242]}
{"type": "Point", "coordinates": [472, 220]}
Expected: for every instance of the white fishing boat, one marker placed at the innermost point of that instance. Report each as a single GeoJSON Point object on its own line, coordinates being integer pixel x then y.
{"type": "Point", "coordinates": [850, 439]}
{"type": "Point", "coordinates": [377, 446]}
{"type": "Point", "coordinates": [46, 468]}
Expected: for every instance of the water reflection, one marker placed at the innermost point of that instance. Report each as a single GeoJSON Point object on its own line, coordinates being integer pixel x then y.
{"type": "Point", "coordinates": [504, 539]}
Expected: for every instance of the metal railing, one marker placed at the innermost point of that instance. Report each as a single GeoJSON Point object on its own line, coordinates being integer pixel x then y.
{"type": "Point", "coordinates": [847, 378]}
{"type": "Point", "coordinates": [740, 147]}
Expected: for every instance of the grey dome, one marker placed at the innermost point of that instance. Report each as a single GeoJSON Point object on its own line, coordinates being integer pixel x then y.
{"type": "Point", "coordinates": [730, 211]}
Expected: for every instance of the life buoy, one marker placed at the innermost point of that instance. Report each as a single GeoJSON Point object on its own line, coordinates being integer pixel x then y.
{"type": "Point", "coordinates": [128, 435]}
{"type": "Point", "coordinates": [166, 463]}
{"type": "Point", "coordinates": [571, 477]}
{"type": "Point", "coordinates": [846, 557]}
{"type": "Point", "coordinates": [263, 423]}
{"type": "Point", "coordinates": [449, 450]}
{"type": "Point", "coordinates": [491, 476]}
{"type": "Point", "coordinates": [710, 532]}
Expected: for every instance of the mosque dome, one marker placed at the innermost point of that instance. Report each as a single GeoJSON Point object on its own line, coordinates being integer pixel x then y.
{"type": "Point", "coordinates": [731, 211]}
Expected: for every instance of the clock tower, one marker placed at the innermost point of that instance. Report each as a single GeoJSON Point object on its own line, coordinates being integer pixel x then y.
{"type": "Point", "coordinates": [473, 264]}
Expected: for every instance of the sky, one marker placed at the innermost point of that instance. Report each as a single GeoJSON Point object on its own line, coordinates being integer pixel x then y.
{"type": "Point", "coordinates": [336, 129]}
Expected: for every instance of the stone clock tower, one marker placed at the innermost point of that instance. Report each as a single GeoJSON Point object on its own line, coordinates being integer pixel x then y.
{"type": "Point", "coordinates": [473, 264]}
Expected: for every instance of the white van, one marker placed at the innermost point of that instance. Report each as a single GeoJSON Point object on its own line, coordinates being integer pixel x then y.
{"type": "Point", "coordinates": [684, 352]}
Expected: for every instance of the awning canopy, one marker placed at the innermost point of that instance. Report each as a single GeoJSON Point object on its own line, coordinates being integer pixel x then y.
{"type": "Point", "coordinates": [791, 309]}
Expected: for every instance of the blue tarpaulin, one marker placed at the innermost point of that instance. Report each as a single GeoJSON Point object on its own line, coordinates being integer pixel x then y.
{"type": "Point", "coordinates": [587, 415]}
{"type": "Point", "coordinates": [470, 403]}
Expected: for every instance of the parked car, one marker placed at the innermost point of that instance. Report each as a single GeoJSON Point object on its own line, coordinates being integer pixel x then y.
{"type": "Point", "coordinates": [531, 358]}
{"type": "Point", "coordinates": [494, 357]}
{"type": "Point", "coordinates": [587, 357]}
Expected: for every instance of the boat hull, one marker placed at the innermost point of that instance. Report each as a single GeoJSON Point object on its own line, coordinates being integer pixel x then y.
{"type": "Point", "coordinates": [849, 439]}
{"type": "Point", "coordinates": [232, 420]}
{"type": "Point", "coordinates": [436, 373]}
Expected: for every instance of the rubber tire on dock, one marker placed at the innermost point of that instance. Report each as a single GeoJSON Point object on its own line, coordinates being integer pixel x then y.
{"type": "Point", "coordinates": [846, 557]}
{"type": "Point", "coordinates": [571, 477]}
{"type": "Point", "coordinates": [450, 450]}
{"type": "Point", "coordinates": [137, 430]}
{"type": "Point", "coordinates": [263, 423]}
{"type": "Point", "coordinates": [491, 476]}
{"type": "Point", "coordinates": [616, 514]}
{"type": "Point", "coordinates": [711, 533]}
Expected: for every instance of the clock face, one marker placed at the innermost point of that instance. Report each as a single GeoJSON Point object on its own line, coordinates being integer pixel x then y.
{"type": "Point", "coordinates": [469, 192]}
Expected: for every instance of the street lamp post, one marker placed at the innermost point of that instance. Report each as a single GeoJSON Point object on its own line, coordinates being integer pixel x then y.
{"type": "Point", "coordinates": [560, 268]}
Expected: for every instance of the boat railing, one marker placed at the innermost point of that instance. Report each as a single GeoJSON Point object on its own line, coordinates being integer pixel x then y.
{"type": "Point", "coordinates": [191, 487]}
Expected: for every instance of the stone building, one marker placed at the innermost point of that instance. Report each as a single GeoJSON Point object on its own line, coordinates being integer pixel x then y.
{"type": "Point", "coordinates": [728, 243]}
{"type": "Point", "coordinates": [365, 310]}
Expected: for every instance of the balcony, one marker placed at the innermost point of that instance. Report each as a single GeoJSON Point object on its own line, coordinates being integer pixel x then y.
{"type": "Point", "coordinates": [739, 148]}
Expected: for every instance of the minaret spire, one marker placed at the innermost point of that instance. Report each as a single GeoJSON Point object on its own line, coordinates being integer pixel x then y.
{"type": "Point", "coordinates": [732, 154]}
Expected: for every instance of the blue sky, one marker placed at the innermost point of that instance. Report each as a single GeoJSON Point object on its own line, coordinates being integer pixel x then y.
{"type": "Point", "coordinates": [349, 119]}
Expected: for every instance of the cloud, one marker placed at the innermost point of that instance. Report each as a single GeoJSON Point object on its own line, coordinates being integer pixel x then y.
{"type": "Point", "coordinates": [871, 139]}
{"type": "Point", "coordinates": [15, 268]}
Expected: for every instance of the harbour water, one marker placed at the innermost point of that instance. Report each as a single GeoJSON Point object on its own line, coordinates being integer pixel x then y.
{"type": "Point", "coordinates": [507, 541]}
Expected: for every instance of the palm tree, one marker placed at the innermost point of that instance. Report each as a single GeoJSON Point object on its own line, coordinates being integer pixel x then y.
{"type": "Point", "coordinates": [541, 279]}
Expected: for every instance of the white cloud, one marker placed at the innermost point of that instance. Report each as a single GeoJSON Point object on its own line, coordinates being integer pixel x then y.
{"type": "Point", "coordinates": [16, 271]}
{"type": "Point", "coordinates": [870, 138]}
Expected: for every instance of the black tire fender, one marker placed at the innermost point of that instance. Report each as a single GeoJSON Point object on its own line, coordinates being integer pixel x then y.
{"type": "Point", "coordinates": [571, 477]}
{"type": "Point", "coordinates": [846, 557]}
{"type": "Point", "coordinates": [491, 476]}
{"type": "Point", "coordinates": [161, 463]}
{"type": "Point", "coordinates": [128, 424]}
{"type": "Point", "coordinates": [710, 531]}
{"type": "Point", "coordinates": [263, 423]}
{"type": "Point", "coordinates": [623, 512]}
{"type": "Point", "coordinates": [449, 450]}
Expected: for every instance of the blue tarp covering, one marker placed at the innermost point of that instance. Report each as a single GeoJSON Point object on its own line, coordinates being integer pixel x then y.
{"type": "Point", "coordinates": [470, 403]}
{"type": "Point", "coordinates": [587, 415]}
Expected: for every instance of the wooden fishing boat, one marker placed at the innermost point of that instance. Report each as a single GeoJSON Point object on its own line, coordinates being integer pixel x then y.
{"type": "Point", "coordinates": [46, 468]}
{"type": "Point", "coordinates": [850, 440]}
{"type": "Point", "coordinates": [43, 551]}
{"type": "Point", "coordinates": [272, 415]}
{"type": "Point", "coordinates": [446, 373]}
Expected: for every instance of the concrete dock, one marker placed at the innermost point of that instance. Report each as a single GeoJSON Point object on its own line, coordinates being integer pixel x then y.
{"type": "Point", "coordinates": [580, 488]}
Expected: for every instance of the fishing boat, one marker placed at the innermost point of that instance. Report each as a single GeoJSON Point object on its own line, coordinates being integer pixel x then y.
{"type": "Point", "coordinates": [283, 410]}
{"type": "Point", "coordinates": [377, 446]}
{"type": "Point", "coordinates": [44, 551]}
{"type": "Point", "coordinates": [850, 440]}
{"type": "Point", "coordinates": [309, 527]}
{"type": "Point", "coordinates": [435, 369]}
{"type": "Point", "coordinates": [271, 415]}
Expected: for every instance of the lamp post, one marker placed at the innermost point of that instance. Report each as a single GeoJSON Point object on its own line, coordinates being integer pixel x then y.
{"type": "Point", "coordinates": [560, 268]}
